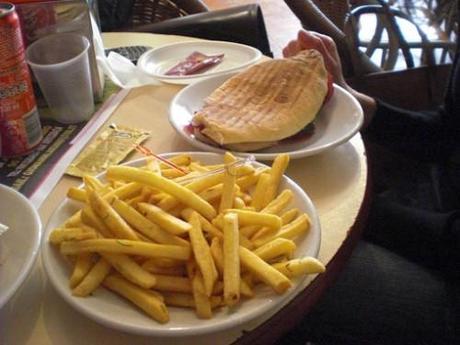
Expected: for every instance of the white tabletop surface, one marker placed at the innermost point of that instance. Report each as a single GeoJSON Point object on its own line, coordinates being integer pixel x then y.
{"type": "Point", "coordinates": [335, 180]}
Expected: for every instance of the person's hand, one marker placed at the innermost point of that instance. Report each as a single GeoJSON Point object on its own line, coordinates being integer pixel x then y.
{"type": "Point", "coordinates": [325, 45]}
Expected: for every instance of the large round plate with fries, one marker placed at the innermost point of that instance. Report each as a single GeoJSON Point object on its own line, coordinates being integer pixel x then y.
{"type": "Point", "coordinates": [278, 236]}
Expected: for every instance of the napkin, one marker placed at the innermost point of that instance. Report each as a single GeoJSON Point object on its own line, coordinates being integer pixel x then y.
{"type": "Point", "coordinates": [3, 228]}
{"type": "Point", "coordinates": [119, 69]}
{"type": "Point", "coordinates": [124, 73]}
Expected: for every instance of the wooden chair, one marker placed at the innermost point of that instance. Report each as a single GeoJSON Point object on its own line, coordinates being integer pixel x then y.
{"type": "Point", "coordinates": [118, 15]}
{"type": "Point", "coordinates": [328, 17]}
{"type": "Point", "coordinates": [414, 87]}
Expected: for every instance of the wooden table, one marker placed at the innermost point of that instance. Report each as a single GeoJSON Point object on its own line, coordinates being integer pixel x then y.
{"type": "Point", "coordinates": [335, 180]}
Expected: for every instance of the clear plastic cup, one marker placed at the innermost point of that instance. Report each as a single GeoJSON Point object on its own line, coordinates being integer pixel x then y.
{"type": "Point", "coordinates": [60, 64]}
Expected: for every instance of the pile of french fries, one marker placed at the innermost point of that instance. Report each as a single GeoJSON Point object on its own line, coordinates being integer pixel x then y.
{"type": "Point", "coordinates": [183, 234]}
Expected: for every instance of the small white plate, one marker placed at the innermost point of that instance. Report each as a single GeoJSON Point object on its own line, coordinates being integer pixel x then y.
{"type": "Point", "coordinates": [107, 308]}
{"type": "Point", "coordinates": [338, 120]}
{"type": "Point", "coordinates": [158, 61]}
{"type": "Point", "coordinates": [19, 244]}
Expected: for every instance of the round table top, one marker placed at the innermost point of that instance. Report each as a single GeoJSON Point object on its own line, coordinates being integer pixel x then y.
{"type": "Point", "coordinates": [335, 180]}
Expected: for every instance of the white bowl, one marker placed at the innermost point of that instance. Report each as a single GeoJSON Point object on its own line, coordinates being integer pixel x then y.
{"type": "Point", "coordinates": [19, 245]}
{"type": "Point", "coordinates": [110, 310]}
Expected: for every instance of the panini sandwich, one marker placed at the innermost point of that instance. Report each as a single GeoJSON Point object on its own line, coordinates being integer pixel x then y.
{"type": "Point", "coordinates": [264, 104]}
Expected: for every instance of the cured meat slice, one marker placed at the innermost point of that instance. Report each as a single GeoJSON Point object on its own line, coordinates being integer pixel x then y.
{"type": "Point", "coordinates": [195, 63]}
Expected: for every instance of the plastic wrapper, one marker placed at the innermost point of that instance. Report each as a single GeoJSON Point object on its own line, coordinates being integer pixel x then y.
{"type": "Point", "coordinates": [109, 148]}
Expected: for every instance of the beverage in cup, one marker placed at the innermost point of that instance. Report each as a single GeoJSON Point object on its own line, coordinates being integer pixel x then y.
{"type": "Point", "coordinates": [60, 64]}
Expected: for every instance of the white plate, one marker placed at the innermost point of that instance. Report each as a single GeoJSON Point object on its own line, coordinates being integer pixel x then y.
{"type": "Point", "coordinates": [158, 61]}
{"type": "Point", "coordinates": [339, 119]}
{"type": "Point", "coordinates": [112, 311]}
{"type": "Point", "coordinates": [19, 245]}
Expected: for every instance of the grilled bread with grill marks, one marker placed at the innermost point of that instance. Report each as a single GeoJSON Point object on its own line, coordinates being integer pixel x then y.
{"type": "Point", "coordinates": [266, 103]}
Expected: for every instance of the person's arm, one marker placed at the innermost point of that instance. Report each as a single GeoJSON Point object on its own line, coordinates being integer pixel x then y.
{"type": "Point", "coordinates": [415, 133]}
{"type": "Point", "coordinates": [326, 46]}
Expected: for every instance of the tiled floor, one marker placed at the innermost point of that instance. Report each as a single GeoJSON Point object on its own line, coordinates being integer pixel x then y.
{"type": "Point", "coordinates": [282, 25]}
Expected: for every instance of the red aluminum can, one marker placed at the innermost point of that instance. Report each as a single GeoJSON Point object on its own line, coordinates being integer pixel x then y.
{"type": "Point", "coordinates": [20, 128]}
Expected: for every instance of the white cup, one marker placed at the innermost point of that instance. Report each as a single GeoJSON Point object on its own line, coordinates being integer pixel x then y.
{"type": "Point", "coordinates": [60, 64]}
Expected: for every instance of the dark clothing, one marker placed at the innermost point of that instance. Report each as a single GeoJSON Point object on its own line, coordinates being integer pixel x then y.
{"type": "Point", "coordinates": [402, 282]}
{"type": "Point", "coordinates": [422, 175]}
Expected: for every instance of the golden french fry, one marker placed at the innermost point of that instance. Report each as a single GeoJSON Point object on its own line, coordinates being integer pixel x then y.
{"type": "Point", "coordinates": [297, 267]}
{"type": "Point", "coordinates": [180, 160]}
{"type": "Point", "coordinates": [130, 270]}
{"type": "Point", "coordinates": [275, 248]}
{"type": "Point", "coordinates": [239, 203]}
{"type": "Point", "coordinates": [247, 181]}
{"type": "Point", "coordinates": [201, 183]}
{"type": "Point", "coordinates": [167, 262]}
{"type": "Point", "coordinates": [245, 289]}
{"type": "Point", "coordinates": [246, 242]}
{"type": "Point", "coordinates": [83, 232]}
{"type": "Point", "coordinates": [125, 191]}
{"type": "Point", "coordinates": [187, 301]}
{"type": "Point", "coordinates": [152, 266]}
{"type": "Point", "coordinates": [262, 233]}
{"type": "Point", "coordinates": [93, 279]}
{"type": "Point", "coordinates": [195, 186]}
{"type": "Point", "coordinates": [173, 284]}
{"type": "Point", "coordinates": [249, 230]}
{"type": "Point", "coordinates": [231, 260]}
{"type": "Point", "coordinates": [74, 221]}
{"type": "Point", "coordinates": [110, 217]}
{"type": "Point", "coordinates": [205, 224]}
{"type": "Point", "coordinates": [137, 199]}
{"type": "Point", "coordinates": [289, 216]}
{"type": "Point", "coordinates": [145, 226]}
{"type": "Point", "coordinates": [184, 179]}
{"type": "Point", "coordinates": [246, 217]}
{"type": "Point", "coordinates": [297, 227]}
{"type": "Point", "coordinates": [116, 246]}
{"type": "Point", "coordinates": [166, 221]}
{"type": "Point", "coordinates": [214, 193]}
{"type": "Point", "coordinates": [217, 254]}
{"type": "Point", "coordinates": [202, 254]}
{"type": "Point", "coordinates": [171, 173]}
{"type": "Point", "coordinates": [203, 307]}
{"type": "Point", "coordinates": [194, 166]}
{"type": "Point", "coordinates": [184, 195]}
{"type": "Point", "coordinates": [228, 189]}
{"type": "Point", "coordinates": [153, 165]}
{"type": "Point", "coordinates": [276, 173]}
{"type": "Point", "coordinates": [82, 266]}
{"type": "Point", "coordinates": [269, 275]}
{"type": "Point", "coordinates": [143, 298]}
{"type": "Point", "coordinates": [177, 299]}
{"type": "Point", "coordinates": [77, 194]}
{"type": "Point", "coordinates": [279, 203]}
{"type": "Point", "coordinates": [93, 183]}
{"type": "Point", "coordinates": [258, 197]}
{"type": "Point", "coordinates": [90, 218]}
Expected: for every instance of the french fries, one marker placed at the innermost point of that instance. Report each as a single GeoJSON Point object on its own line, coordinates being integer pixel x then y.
{"type": "Point", "coordinates": [199, 236]}
{"type": "Point", "coordinates": [231, 264]}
